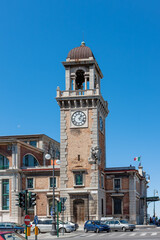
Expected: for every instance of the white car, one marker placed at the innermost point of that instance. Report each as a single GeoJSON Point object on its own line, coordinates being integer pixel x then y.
{"type": "Point", "coordinates": [74, 225]}
{"type": "Point", "coordinates": [45, 225]}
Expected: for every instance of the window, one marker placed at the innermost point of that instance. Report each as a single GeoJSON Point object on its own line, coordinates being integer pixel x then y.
{"type": "Point", "coordinates": [102, 210]}
{"type": "Point", "coordinates": [4, 162]}
{"type": "Point", "coordinates": [51, 182]}
{"type": "Point", "coordinates": [57, 154]}
{"type": "Point", "coordinates": [29, 182]}
{"type": "Point", "coordinates": [79, 179]}
{"type": "Point", "coordinates": [29, 161]}
{"type": "Point", "coordinates": [5, 194]}
{"type": "Point", "coordinates": [102, 181]}
{"type": "Point", "coordinates": [33, 143]}
{"type": "Point", "coordinates": [117, 206]}
{"type": "Point", "coordinates": [117, 183]}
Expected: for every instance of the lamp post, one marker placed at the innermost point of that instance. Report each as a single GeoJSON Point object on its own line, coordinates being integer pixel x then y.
{"type": "Point", "coordinates": [154, 208]}
{"type": "Point", "coordinates": [147, 178]}
{"type": "Point", "coordinates": [53, 231]}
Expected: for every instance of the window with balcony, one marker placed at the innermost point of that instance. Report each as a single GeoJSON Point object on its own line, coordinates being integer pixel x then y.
{"type": "Point", "coordinates": [5, 194]}
{"type": "Point", "coordinates": [30, 161]}
{"type": "Point", "coordinates": [4, 162]}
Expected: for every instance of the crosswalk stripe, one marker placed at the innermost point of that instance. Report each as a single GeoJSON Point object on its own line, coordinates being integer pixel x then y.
{"type": "Point", "coordinates": [143, 234]}
{"type": "Point", "coordinates": [154, 234]}
{"type": "Point", "coordinates": [91, 235]}
{"type": "Point", "coordinates": [123, 234]}
{"type": "Point", "coordinates": [132, 234]}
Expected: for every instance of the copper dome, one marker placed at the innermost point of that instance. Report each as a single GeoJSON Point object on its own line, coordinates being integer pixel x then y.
{"type": "Point", "coordinates": [81, 52]}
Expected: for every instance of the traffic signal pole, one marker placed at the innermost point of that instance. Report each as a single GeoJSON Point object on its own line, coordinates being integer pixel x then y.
{"type": "Point", "coordinates": [26, 212]}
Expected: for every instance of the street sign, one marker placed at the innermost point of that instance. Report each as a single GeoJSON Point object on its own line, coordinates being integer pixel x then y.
{"type": "Point", "coordinates": [36, 219]}
{"type": "Point", "coordinates": [27, 219]}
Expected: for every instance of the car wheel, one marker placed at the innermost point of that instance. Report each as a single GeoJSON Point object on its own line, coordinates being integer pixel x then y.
{"type": "Point", "coordinates": [123, 229]}
{"type": "Point", "coordinates": [61, 230]}
{"type": "Point", "coordinates": [108, 231]}
{"type": "Point", "coordinates": [18, 231]}
{"type": "Point", "coordinates": [131, 230]}
{"type": "Point", "coordinates": [97, 230]}
{"type": "Point", "coordinates": [85, 230]}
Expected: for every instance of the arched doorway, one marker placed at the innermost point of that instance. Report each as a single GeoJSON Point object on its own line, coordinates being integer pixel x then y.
{"type": "Point", "coordinates": [78, 211]}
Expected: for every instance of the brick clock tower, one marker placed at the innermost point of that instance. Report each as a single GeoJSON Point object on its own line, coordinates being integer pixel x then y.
{"type": "Point", "coordinates": [82, 141]}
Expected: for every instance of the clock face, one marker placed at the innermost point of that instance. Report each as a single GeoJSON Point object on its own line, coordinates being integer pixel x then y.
{"type": "Point", "coordinates": [101, 123]}
{"type": "Point", "coordinates": [78, 118]}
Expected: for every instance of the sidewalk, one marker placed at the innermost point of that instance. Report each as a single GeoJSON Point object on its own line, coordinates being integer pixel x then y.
{"type": "Point", "coordinates": [146, 226]}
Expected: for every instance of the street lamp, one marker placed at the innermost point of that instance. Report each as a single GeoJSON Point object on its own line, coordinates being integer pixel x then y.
{"type": "Point", "coordinates": [147, 177]}
{"type": "Point", "coordinates": [53, 231]}
{"type": "Point", "coordinates": [154, 209]}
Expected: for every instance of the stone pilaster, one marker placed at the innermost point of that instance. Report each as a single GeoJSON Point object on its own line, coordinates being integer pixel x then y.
{"type": "Point", "coordinates": [132, 198]}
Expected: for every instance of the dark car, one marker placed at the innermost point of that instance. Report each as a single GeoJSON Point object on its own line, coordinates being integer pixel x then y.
{"type": "Point", "coordinates": [96, 226]}
{"type": "Point", "coordinates": [10, 235]}
{"type": "Point", "coordinates": [11, 226]}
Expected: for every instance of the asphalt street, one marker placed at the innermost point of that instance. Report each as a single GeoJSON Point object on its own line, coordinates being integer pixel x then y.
{"type": "Point", "coordinates": [138, 234]}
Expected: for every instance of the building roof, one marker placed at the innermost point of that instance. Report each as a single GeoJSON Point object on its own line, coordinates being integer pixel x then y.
{"type": "Point", "coordinates": [19, 137]}
{"type": "Point", "coordinates": [81, 52]}
{"type": "Point", "coordinates": [116, 169]}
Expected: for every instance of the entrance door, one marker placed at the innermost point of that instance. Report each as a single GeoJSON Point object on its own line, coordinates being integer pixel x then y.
{"type": "Point", "coordinates": [78, 211]}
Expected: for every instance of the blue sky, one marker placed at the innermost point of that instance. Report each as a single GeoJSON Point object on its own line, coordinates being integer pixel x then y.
{"type": "Point", "coordinates": [36, 36]}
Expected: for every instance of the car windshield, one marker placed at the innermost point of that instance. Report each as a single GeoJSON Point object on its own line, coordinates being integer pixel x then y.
{"type": "Point", "coordinates": [97, 222]}
{"type": "Point", "coordinates": [104, 222]}
{"type": "Point", "coordinates": [12, 236]}
{"type": "Point", "coordinates": [123, 221]}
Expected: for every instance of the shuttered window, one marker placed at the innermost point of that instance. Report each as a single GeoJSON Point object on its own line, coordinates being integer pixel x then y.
{"type": "Point", "coordinates": [5, 194]}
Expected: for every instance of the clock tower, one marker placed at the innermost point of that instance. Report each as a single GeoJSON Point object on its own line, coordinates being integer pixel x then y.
{"type": "Point", "coordinates": [82, 138]}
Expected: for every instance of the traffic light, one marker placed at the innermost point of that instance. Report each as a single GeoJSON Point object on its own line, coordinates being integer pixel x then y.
{"type": "Point", "coordinates": [20, 199]}
{"type": "Point", "coordinates": [32, 199]}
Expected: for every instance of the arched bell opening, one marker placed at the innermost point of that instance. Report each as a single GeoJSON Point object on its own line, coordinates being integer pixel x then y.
{"type": "Point", "coordinates": [80, 80]}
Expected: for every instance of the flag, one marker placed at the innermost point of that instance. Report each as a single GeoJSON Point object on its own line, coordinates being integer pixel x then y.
{"type": "Point", "coordinates": [137, 159]}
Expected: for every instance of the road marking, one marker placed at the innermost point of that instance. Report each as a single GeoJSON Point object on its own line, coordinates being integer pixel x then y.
{"type": "Point", "coordinates": [132, 234]}
{"type": "Point", "coordinates": [123, 234]}
{"type": "Point", "coordinates": [143, 234]}
{"type": "Point", "coordinates": [91, 235]}
{"type": "Point", "coordinates": [153, 234]}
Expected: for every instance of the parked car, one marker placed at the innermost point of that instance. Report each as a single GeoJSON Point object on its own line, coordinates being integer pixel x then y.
{"type": "Point", "coordinates": [119, 225]}
{"type": "Point", "coordinates": [10, 235]}
{"type": "Point", "coordinates": [45, 225]}
{"type": "Point", "coordinates": [11, 226]}
{"type": "Point", "coordinates": [74, 225]}
{"type": "Point", "coordinates": [96, 226]}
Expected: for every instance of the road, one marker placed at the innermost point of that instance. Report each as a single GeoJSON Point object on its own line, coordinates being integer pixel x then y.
{"type": "Point", "coordinates": [138, 234]}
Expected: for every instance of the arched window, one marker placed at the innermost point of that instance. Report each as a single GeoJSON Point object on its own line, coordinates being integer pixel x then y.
{"type": "Point", "coordinates": [4, 162]}
{"type": "Point", "coordinates": [29, 161]}
{"type": "Point", "coordinates": [80, 80]}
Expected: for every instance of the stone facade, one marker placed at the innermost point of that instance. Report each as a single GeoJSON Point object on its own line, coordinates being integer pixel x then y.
{"type": "Point", "coordinates": [13, 150]}
{"type": "Point", "coordinates": [131, 192]}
